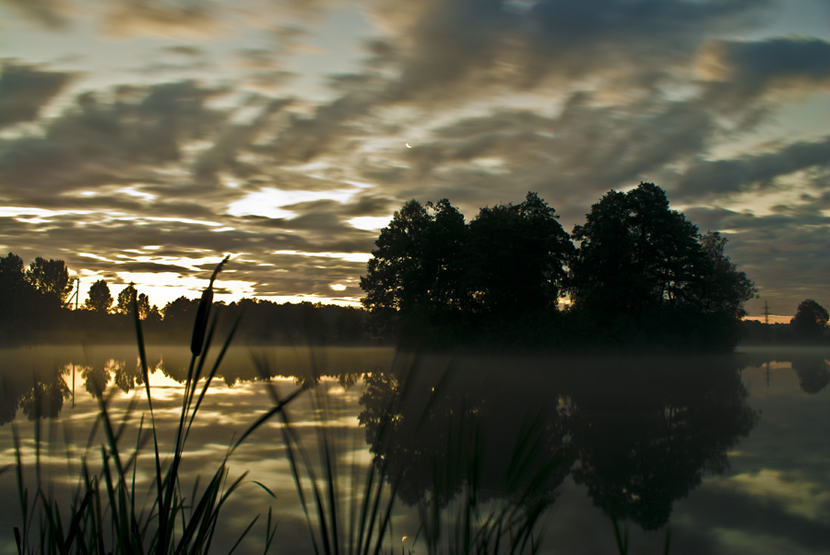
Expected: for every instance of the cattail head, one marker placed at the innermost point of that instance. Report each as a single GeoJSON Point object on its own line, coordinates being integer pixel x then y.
{"type": "Point", "coordinates": [200, 326]}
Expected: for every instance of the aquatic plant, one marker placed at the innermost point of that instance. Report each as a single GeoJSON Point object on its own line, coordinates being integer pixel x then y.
{"type": "Point", "coordinates": [104, 515]}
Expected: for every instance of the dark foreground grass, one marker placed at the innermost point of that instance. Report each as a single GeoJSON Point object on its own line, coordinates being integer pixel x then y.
{"type": "Point", "coordinates": [347, 507]}
{"type": "Point", "coordinates": [105, 514]}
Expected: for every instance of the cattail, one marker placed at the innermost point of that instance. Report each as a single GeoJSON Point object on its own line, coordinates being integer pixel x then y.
{"type": "Point", "coordinates": [200, 327]}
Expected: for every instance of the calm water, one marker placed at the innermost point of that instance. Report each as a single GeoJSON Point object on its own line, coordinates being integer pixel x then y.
{"type": "Point", "coordinates": [731, 453]}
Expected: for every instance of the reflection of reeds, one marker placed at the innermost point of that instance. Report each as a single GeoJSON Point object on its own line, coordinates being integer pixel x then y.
{"type": "Point", "coordinates": [358, 527]}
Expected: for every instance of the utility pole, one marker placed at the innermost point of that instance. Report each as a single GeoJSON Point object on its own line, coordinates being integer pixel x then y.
{"type": "Point", "coordinates": [766, 313]}
{"type": "Point", "coordinates": [76, 294]}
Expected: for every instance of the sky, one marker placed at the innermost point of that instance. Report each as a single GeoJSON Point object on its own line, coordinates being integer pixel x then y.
{"type": "Point", "coordinates": [143, 140]}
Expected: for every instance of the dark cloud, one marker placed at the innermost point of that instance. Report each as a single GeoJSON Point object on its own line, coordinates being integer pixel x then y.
{"type": "Point", "coordinates": [571, 158]}
{"type": "Point", "coordinates": [331, 128]}
{"type": "Point", "coordinates": [160, 17]}
{"type": "Point", "coordinates": [786, 253]}
{"type": "Point", "coordinates": [99, 142]}
{"type": "Point", "coordinates": [463, 45]}
{"type": "Point", "coordinates": [49, 13]}
{"type": "Point", "coordinates": [756, 514]}
{"type": "Point", "coordinates": [185, 50]}
{"type": "Point", "coordinates": [24, 90]}
{"type": "Point", "coordinates": [618, 91]}
{"type": "Point", "coordinates": [744, 70]}
{"type": "Point", "coordinates": [707, 179]}
{"type": "Point", "coordinates": [223, 154]}
{"type": "Point", "coordinates": [450, 52]}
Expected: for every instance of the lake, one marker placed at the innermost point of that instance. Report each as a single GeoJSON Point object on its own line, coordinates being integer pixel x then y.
{"type": "Point", "coordinates": [727, 454]}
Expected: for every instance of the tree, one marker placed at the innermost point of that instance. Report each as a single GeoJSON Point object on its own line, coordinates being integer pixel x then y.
{"type": "Point", "coordinates": [721, 288]}
{"type": "Point", "coordinates": [17, 296]}
{"type": "Point", "coordinates": [51, 278]}
{"type": "Point", "coordinates": [415, 265]}
{"type": "Point", "coordinates": [642, 268]}
{"type": "Point", "coordinates": [144, 309]}
{"type": "Point", "coordinates": [180, 314]}
{"type": "Point", "coordinates": [635, 255]}
{"type": "Point", "coordinates": [518, 255]}
{"type": "Point", "coordinates": [430, 268]}
{"type": "Point", "coordinates": [99, 298]}
{"type": "Point", "coordinates": [125, 303]}
{"type": "Point", "coordinates": [810, 320]}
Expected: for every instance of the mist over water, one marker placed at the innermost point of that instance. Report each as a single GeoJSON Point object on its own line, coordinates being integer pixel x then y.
{"type": "Point", "coordinates": [728, 451]}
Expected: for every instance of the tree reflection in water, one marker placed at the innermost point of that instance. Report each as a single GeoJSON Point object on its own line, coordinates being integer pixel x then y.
{"type": "Point", "coordinates": [813, 373]}
{"type": "Point", "coordinates": [639, 435]}
{"type": "Point", "coordinates": [38, 394]}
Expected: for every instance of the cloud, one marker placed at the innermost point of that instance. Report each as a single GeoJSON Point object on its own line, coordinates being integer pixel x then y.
{"type": "Point", "coordinates": [742, 70]}
{"type": "Point", "coordinates": [49, 13]}
{"type": "Point", "coordinates": [99, 142]}
{"type": "Point", "coordinates": [185, 50]}
{"type": "Point", "coordinates": [459, 46]}
{"type": "Point", "coordinates": [24, 90]}
{"type": "Point", "coordinates": [570, 158]}
{"type": "Point", "coordinates": [177, 18]}
{"type": "Point", "coordinates": [787, 254]}
{"type": "Point", "coordinates": [223, 154]}
{"type": "Point", "coordinates": [715, 179]}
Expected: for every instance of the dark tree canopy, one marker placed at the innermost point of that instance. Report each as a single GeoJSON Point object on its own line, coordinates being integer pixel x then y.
{"type": "Point", "coordinates": [635, 254]}
{"type": "Point", "coordinates": [181, 313]}
{"type": "Point", "coordinates": [810, 319]}
{"type": "Point", "coordinates": [642, 275]}
{"type": "Point", "coordinates": [428, 263]}
{"type": "Point", "coordinates": [99, 298]}
{"type": "Point", "coordinates": [31, 298]}
{"type": "Point", "coordinates": [125, 300]}
{"type": "Point", "coordinates": [16, 294]}
{"type": "Point", "coordinates": [416, 265]}
{"type": "Point", "coordinates": [643, 268]}
{"type": "Point", "coordinates": [518, 255]}
{"type": "Point", "coordinates": [51, 278]}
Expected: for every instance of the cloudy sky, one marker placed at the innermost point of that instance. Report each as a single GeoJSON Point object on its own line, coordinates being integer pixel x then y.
{"type": "Point", "coordinates": [141, 140]}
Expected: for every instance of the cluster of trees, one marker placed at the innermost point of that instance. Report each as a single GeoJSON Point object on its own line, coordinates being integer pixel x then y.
{"type": "Point", "coordinates": [35, 306]}
{"type": "Point", "coordinates": [31, 296]}
{"type": "Point", "coordinates": [99, 300]}
{"type": "Point", "coordinates": [639, 274]}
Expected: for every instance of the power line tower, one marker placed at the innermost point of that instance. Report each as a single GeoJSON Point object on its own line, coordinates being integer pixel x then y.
{"type": "Point", "coordinates": [766, 313]}
{"type": "Point", "coordinates": [76, 294]}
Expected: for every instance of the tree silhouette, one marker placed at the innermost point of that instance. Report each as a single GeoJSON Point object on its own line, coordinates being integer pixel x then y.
{"type": "Point", "coordinates": [180, 313]}
{"type": "Point", "coordinates": [415, 265]}
{"type": "Point", "coordinates": [642, 268]}
{"type": "Point", "coordinates": [721, 288]}
{"type": "Point", "coordinates": [125, 300]}
{"type": "Point", "coordinates": [429, 268]}
{"type": "Point", "coordinates": [518, 254]}
{"type": "Point", "coordinates": [51, 278]}
{"type": "Point", "coordinates": [635, 254]}
{"type": "Point", "coordinates": [17, 295]}
{"type": "Point", "coordinates": [99, 298]}
{"type": "Point", "coordinates": [144, 308]}
{"type": "Point", "coordinates": [810, 320]}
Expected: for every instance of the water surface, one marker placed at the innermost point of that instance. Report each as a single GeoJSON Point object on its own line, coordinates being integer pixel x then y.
{"type": "Point", "coordinates": [729, 452]}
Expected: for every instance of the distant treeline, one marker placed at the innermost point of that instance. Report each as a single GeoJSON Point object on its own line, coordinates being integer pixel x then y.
{"type": "Point", "coordinates": [35, 307]}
